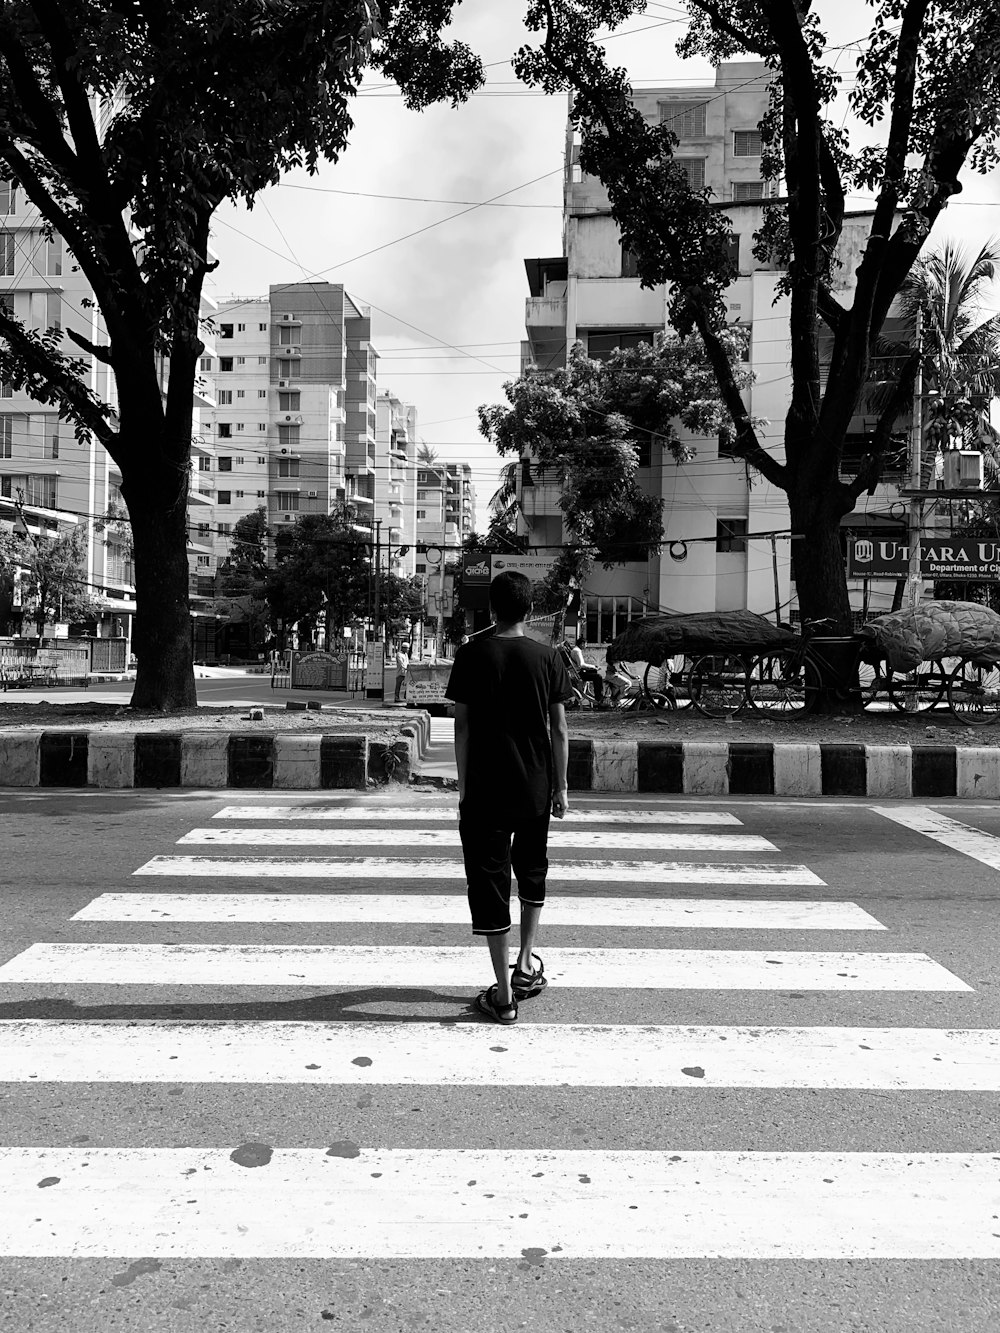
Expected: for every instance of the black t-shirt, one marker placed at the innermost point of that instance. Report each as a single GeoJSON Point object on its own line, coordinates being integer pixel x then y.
{"type": "Point", "coordinates": [508, 685]}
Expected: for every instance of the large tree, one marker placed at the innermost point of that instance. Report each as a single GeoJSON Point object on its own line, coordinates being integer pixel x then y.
{"type": "Point", "coordinates": [589, 425]}
{"type": "Point", "coordinates": [927, 88]}
{"type": "Point", "coordinates": [126, 123]}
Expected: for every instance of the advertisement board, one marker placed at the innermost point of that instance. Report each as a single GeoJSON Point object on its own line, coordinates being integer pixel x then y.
{"type": "Point", "coordinates": [960, 558]}
{"type": "Point", "coordinates": [479, 567]}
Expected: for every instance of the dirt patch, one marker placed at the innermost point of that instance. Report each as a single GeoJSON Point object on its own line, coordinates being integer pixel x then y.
{"type": "Point", "coordinates": [937, 727]}
{"type": "Point", "coordinates": [119, 717]}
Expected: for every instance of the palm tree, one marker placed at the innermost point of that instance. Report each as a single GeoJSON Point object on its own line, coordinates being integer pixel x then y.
{"type": "Point", "coordinates": [503, 501]}
{"type": "Point", "coordinates": [427, 455]}
{"type": "Point", "coordinates": [943, 300]}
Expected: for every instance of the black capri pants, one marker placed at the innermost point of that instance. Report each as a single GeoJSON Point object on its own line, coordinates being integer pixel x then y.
{"type": "Point", "coordinates": [493, 846]}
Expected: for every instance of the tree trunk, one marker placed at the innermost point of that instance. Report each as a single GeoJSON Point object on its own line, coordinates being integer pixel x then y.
{"type": "Point", "coordinates": [821, 586]}
{"type": "Point", "coordinates": [157, 505]}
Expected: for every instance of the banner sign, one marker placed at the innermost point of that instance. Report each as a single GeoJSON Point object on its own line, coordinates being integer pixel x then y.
{"type": "Point", "coordinates": [479, 567]}
{"type": "Point", "coordinates": [971, 558]}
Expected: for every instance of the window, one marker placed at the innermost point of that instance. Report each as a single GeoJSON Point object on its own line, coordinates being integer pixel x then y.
{"type": "Point", "coordinates": [746, 143]}
{"type": "Point", "coordinates": [606, 617]}
{"type": "Point", "coordinates": [224, 397]}
{"type": "Point", "coordinates": [239, 495]}
{"type": "Point", "coordinates": [204, 530]}
{"type": "Point", "coordinates": [204, 465]}
{"type": "Point", "coordinates": [225, 363]}
{"type": "Point", "coordinates": [7, 253]}
{"type": "Point", "coordinates": [261, 328]}
{"type": "Point", "coordinates": [240, 461]}
{"type": "Point", "coordinates": [600, 345]}
{"type": "Point", "coordinates": [292, 368]}
{"type": "Point", "coordinates": [54, 256]}
{"type": "Point", "coordinates": [421, 513]}
{"type": "Point", "coordinates": [288, 467]}
{"type": "Point", "coordinates": [40, 491]}
{"type": "Point", "coordinates": [8, 197]}
{"type": "Point", "coordinates": [261, 393]}
{"type": "Point", "coordinates": [286, 499]}
{"type": "Point", "coordinates": [743, 190]}
{"type": "Point", "coordinates": [241, 328]}
{"type": "Point", "coordinates": [423, 495]}
{"type": "Point", "coordinates": [204, 561]}
{"type": "Point", "coordinates": [731, 536]}
{"type": "Point", "coordinates": [241, 360]}
{"type": "Point", "coordinates": [261, 495]}
{"type": "Point", "coordinates": [261, 459]}
{"type": "Point", "coordinates": [5, 485]}
{"type": "Point", "coordinates": [241, 393]}
{"type": "Point", "coordinates": [52, 442]}
{"type": "Point", "coordinates": [225, 529]}
{"type": "Point", "coordinates": [6, 435]}
{"type": "Point", "coordinates": [225, 330]}
{"type": "Point", "coordinates": [288, 437]}
{"type": "Point", "coordinates": [685, 119]}
{"type": "Point", "coordinates": [239, 426]}
{"type": "Point", "coordinates": [205, 363]}
{"type": "Point", "coordinates": [288, 337]}
{"type": "Point", "coordinates": [262, 425]}
{"type": "Point", "coordinates": [6, 389]}
{"type": "Point", "coordinates": [420, 568]}
{"type": "Point", "coordinates": [225, 464]}
{"type": "Point", "coordinates": [224, 497]}
{"type": "Point", "coordinates": [225, 430]}
{"type": "Point", "coordinates": [262, 361]}
{"type": "Point", "coordinates": [630, 263]}
{"type": "Point", "coordinates": [694, 170]}
{"type": "Point", "coordinates": [289, 402]}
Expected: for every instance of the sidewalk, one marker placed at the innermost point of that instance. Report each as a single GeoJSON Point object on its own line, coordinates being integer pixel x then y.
{"type": "Point", "coordinates": [438, 764]}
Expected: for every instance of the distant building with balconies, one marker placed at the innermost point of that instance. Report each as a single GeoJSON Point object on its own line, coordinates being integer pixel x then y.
{"type": "Point", "coordinates": [396, 481]}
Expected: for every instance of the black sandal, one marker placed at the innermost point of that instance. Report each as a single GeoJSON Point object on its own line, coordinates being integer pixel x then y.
{"type": "Point", "coordinates": [526, 984]}
{"type": "Point", "coordinates": [486, 1003]}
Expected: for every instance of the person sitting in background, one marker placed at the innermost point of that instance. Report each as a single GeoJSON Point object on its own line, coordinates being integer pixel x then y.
{"type": "Point", "coordinates": [617, 680]}
{"type": "Point", "coordinates": [585, 671]}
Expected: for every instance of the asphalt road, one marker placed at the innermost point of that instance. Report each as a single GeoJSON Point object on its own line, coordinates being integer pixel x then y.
{"type": "Point", "coordinates": [812, 1052]}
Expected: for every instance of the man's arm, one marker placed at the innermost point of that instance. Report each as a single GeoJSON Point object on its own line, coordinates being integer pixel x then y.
{"type": "Point", "coordinates": [560, 758]}
{"type": "Point", "coordinates": [462, 746]}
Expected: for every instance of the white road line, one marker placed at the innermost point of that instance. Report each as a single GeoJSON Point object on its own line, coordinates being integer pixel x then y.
{"type": "Point", "coordinates": [362, 965]}
{"type": "Point", "coordinates": [398, 871]}
{"type": "Point", "coordinates": [448, 814]}
{"type": "Point", "coordinates": [478, 1204]}
{"type": "Point", "coordinates": [972, 842]}
{"type": "Point", "coordinates": [589, 839]}
{"type": "Point", "coordinates": [453, 908]}
{"type": "Point", "coordinates": [467, 1054]}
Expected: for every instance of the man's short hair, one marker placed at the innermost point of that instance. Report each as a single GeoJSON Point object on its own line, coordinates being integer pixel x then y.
{"type": "Point", "coordinates": [510, 596]}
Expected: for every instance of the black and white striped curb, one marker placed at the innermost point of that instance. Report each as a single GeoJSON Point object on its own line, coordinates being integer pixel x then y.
{"type": "Point", "coordinates": [721, 768]}
{"type": "Point", "coordinates": [278, 760]}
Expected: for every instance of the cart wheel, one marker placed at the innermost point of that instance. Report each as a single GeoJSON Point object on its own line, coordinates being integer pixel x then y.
{"type": "Point", "coordinates": [660, 680]}
{"type": "Point", "coordinates": [776, 685]}
{"type": "Point", "coordinates": [718, 684]}
{"type": "Point", "coordinates": [974, 693]}
{"type": "Point", "coordinates": [919, 690]}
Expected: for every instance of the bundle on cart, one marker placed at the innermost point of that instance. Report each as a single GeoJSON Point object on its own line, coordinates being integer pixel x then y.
{"type": "Point", "coordinates": [936, 630]}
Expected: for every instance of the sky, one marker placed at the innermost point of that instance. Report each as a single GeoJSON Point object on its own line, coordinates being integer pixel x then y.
{"type": "Point", "coordinates": [402, 219]}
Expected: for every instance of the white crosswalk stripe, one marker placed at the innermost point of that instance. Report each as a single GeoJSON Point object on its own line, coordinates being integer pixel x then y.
{"type": "Point", "coordinates": [308, 1204]}
{"type": "Point", "coordinates": [591, 839]}
{"type": "Point", "coordinates": [362, 815]}
{"type": "Point", "coordinates": [399, 870]}
{"type": "Point", "coordinates": [453, 909]}
{"type": "Point", "coordinates": [354, 1201]}
{"type": "Point", "coordinates": [465, 1054]}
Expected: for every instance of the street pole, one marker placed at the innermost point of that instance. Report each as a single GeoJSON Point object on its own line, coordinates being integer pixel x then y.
{"type": "Point", "coordinates": [378, 580]}
{"type": "Point", "coordinates": [914, 583]}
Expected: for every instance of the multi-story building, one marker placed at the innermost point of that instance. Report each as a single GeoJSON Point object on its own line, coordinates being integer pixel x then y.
{"type": "Point", "coordinates": [727, 539]}
{"type": "Point", "coordinates": [66, 483]}
{"type": "Point", "coordinates": [294, 424]}
{"type": "Point", "coordinates": [396, 481]}
{"type": "Point", "coordinates": [460, 501]}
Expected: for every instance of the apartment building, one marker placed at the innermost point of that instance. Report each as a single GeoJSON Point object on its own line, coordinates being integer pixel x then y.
{"type": "Point", "coordinates": [294, 423]}
{"type": "Point", "coordinates": [67, 484]}
{"type": "Point", "coordinates": [396, 481]}
{"type": "Point", "coordinates": [727, 541]}
{"type": "Point", "coordinates": [460, 501]}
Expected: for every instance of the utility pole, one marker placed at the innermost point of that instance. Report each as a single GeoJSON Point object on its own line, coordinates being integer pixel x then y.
{"type": "Point", "coordinates": [378, 580]}
{"type": "Point", "coordinates": [914, 583]}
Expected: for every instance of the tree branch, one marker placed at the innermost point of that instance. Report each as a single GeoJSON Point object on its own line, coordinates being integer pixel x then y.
{"type": "Point", "coordinates": [831, 311]}
{"type": "Point", "coordinates": [870, 472]}
{"type": "Point", "coordinates": [37, 106]}
{"type": "Point", "coordinates": [747, 446]}
{"type": "Point", "coordinates": [742, 38]}
{"type": "Point", "coordinates": [98, 353]}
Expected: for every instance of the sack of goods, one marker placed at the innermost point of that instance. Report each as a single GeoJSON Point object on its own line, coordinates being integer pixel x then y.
{"type": "Point", "coordinates": [934, 630]}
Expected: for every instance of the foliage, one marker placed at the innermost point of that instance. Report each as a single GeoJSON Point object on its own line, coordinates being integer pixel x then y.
{"type": "Point", "coordinates": [126, 125]}
{"type": "Point", "coordinates": [53, 575]}
{"type": "Point", "coordinates": [928, 78]}
{"type": "Point", "coordinates": [587, 425]}
{"type": "Point", "coordinates": [427, 455]}
{"type": "Point", "coordinates": [241, 581]}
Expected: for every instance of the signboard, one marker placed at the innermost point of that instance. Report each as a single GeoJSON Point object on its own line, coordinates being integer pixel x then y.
{"type": "Point", "coordinates": [960, 558]}
{"type": "Point", "coordinates": [426, 683]}
{"type": "Point", "coordinates": [479, 567]}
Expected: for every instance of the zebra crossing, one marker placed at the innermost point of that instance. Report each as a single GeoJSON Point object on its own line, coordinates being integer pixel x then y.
{"type": "Point", "coordinates": [391, 1200]}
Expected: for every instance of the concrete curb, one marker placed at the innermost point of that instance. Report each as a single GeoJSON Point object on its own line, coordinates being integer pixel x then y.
{"type": "Point", "coordinates": [746, 768]}
{"type": "Point", "coordinates": [259, 759]}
